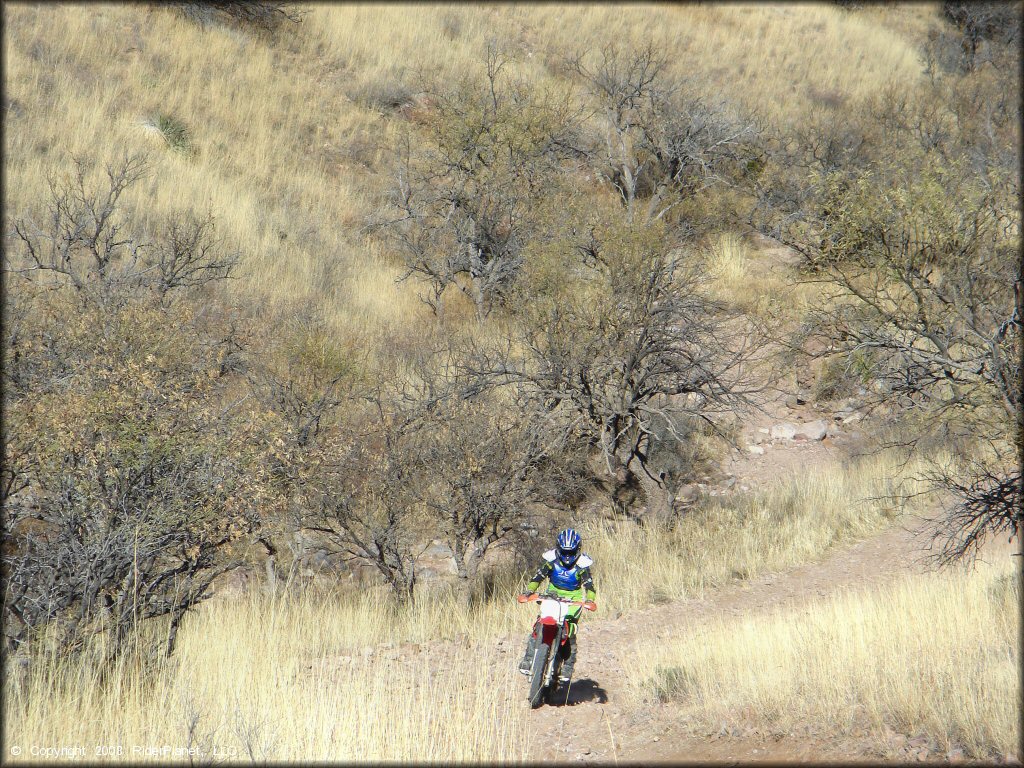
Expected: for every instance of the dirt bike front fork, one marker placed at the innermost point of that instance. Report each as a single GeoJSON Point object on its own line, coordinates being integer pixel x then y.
{"type": "Point", "coordinates": [566, 651]}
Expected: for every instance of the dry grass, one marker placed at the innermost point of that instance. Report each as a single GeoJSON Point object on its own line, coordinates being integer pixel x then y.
{"type": "Point", "coordinates": [285, 147]}
{"type": "Point", "coordinates": [246, 667]}
{"type": "Point", "coordinates": [933, 654]}
{"type": "Point", "coordinates": [267, 679]}
{"type": "Point", "coordinates": [730, 262]}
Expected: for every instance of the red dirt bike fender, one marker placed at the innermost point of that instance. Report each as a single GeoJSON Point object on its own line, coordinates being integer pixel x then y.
{"type": "Point", "coordinates": [549, 628]}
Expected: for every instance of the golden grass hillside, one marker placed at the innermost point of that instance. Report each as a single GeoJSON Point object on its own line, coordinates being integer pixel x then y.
{"type": "Point", "coordinates": [934, 654]}
{"type": "Point", "coordinates": [285, 141]}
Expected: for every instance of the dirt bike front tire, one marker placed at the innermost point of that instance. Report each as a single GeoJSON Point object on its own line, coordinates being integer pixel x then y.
{"type": "Point", "coordinates": [540, 661]}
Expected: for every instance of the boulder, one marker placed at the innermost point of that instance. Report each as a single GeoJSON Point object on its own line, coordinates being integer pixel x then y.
{"type": "Point", "coordinates": [813, 430]}
{"type": "Point", "coordinates": [782, 431]}
{"type": "Point", "coordinates": [756, 450]}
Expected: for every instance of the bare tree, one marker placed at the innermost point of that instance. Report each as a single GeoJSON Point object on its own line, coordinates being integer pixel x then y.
{"type": "Point", "coordinates": [630, 342]}
{"type": "Point", "coordinates": [480, 460]}
{"type": "Point", "coordinates": [130, 477]}
{"type": "Point", "coordinates": [927, 294]}
{"type": "Point", "coordinates": [129, 473]}
{"type": "Point", "coordinates": [460, 212]}
{"type": "Point", "coordinates": [980, 23]}
{"type": "Point", "coordinates": [984, 503]}
{"type": "Point", "coordinates": [661, 141]}
{"type": "Point", "coordinates": [84, 236]}
{"type": "Point", "coordinates": [363, 501]}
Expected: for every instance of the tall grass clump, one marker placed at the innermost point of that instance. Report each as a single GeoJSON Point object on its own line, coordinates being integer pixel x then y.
{"type": "Point", "coordinates": [933, 654]}
{"type": "Point", "coordinates": [729, 260]}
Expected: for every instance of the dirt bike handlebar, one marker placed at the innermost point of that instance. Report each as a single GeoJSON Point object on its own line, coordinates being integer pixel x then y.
{"type": "Point", "coordinates": [536, 598]}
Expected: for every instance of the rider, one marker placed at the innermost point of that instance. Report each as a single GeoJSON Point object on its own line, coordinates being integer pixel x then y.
{"type": "Point", "coordinates": [568, 571]}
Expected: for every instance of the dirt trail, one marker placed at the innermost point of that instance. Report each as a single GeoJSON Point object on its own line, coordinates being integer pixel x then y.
{"type": "Point", "coordinates": [600, 723]}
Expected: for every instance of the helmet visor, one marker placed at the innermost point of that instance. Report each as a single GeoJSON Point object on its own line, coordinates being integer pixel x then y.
{"type": "Point", "coordinates": [568, 556]}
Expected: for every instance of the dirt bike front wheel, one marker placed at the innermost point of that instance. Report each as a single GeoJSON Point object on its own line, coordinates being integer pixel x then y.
{"type": "Point", "coordinates": [540, 662]}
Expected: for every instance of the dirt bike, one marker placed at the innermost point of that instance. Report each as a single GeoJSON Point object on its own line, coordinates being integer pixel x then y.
{"type": "Point", "coordinates": [552, 632]}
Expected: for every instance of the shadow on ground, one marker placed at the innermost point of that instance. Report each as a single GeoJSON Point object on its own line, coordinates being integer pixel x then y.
{"type": "Point", "coordinates": [580, 692]}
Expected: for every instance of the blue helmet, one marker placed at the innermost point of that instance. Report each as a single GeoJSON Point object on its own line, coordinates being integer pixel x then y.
{"type": "Point", "coordinates": [568, 549]}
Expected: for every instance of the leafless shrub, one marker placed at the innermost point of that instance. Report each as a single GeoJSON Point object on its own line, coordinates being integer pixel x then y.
{"type": "Point", "coordinates": [629, 342]}
{"type": "Point", "coordinates": [979, 23]}
{"type": "Point", "coordinates": [481, 461]}
{"type": "Point", "coordinates": [363, 504]}
{"type": "Point", "coordinates": [86, 240]}
{"type": "Point", "coordinates": [129, 474]}
{"type": "Point", "coordinates": [257, 14]}
{"type": "Point", "coordinates": [985, 503]}
{"type": "Point", "coordinates": [461, 211]}
{"type": "Point", "coordinates": [187, 256]}
{"type": "Point", "coordinates": [662, 141]}
{"type": "Point", "coordinates": [927, 295]}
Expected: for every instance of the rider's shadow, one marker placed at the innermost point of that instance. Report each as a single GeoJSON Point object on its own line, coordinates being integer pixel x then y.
{"type": "Point", "coordinates": [580, 692]}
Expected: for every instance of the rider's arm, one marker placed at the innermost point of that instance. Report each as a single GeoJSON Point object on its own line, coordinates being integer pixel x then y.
{"type": "Point", "coordinates": [542, 573]}
{"type": "Point", "coordinates": [588, 584]}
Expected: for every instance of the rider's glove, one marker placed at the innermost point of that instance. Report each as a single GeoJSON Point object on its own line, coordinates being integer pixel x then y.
{"type": "Point", "coordinates": [524, 597]}
{"type": "Point", "coordinates": [590, 605]}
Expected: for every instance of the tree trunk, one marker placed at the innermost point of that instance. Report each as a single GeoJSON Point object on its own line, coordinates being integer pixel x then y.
{"type": "Point", "coordinates": [467, 564]}
{"type": "Point", "coordinates": [656, 494]}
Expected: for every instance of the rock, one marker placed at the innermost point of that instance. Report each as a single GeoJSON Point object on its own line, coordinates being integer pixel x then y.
{"type": "Point", "coordinates": [437, 549]}
{"type": "Point", "coordinates": [427, 574]}
{"type": "Point", "coordinates": [756, 450]}
{"type": "Point", "coordinates": [233, 583]}
{"type": "Point", "coordinates": [852, 418]}
{"type": "Point", "coordinates": [813, 430]}
{"type": "Point", "coordinates": [759, 437]}
{"type": "Point", "coordinates": [782, 431]}
{"type": "Point", "coordinates": [955, 755]}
